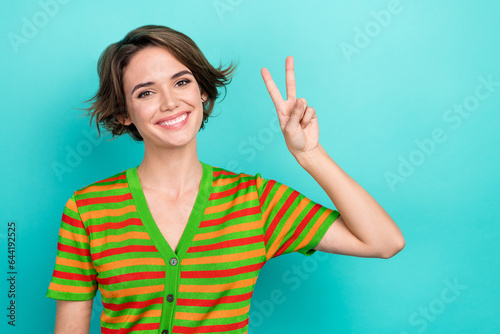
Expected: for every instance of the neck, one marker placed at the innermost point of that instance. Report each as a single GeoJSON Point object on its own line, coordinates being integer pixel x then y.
{"type": "Point", "coordinates": [171, 171]}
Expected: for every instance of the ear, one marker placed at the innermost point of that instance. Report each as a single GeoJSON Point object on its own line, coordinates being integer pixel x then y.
{"type": "Point", "coordinates": [204, 96]}
{"type": "Point", "coordinates": [124, 120]}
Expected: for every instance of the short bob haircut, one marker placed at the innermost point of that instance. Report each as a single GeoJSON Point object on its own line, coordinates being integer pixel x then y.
{"type": "Point", "coordinates": [109, 105]}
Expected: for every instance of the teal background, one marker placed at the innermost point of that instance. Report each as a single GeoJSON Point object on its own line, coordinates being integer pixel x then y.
{"type": "Point", "coordinates": [374, 107]}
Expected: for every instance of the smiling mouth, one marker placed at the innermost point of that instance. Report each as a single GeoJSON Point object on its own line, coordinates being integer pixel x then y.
{"type": "Point", "coordinates": [176, 120]}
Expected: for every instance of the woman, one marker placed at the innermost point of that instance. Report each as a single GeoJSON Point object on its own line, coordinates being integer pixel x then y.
{"type": "Point", "coordinates": [176, 245]}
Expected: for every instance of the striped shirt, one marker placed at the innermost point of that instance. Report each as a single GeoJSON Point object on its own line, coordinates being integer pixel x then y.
{"type": "Point", "coordinates": [109, 240]}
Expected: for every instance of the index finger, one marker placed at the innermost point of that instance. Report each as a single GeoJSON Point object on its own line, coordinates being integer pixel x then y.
{"type": "Point", "coordinates": [271, 87]}
{"type": "Point", "coordinates": [290, 79]}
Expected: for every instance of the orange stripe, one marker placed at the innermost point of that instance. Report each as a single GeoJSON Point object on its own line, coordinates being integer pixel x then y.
{"type": "Point", "coordinates": [91, 189]}
{"type": "Point", "coordinates": [212, 314]}
{"type": "Point", "coordinates": [119, 238]}
{"type": "Point", "coordinates": [72, 206]}
{"type": "Point", "coordinates": [108, 212]}
{"type": "Point", "coordinates": [73, 236]}
{"type": "Point", "coordinates": [131, 318]}
{"type": "Point", "coordinates": [259, 182]}
{"type": "Point", "coordinates": [142, 290]}
{"type": "Point", "coordinates": [225, 206]}
{"type": "Point", "coordinates": [230, 229]}
{"type": "Point", "coordinates": [147, 261]}
{"type": "Point", "coordinates": [224, 258]}
{"type": "Point", "coordinates": [218, 287]}
{"type": "Point", "coordinates": [315, 228]}
{"type": "Point", "coordinates": [75, 289]}
{"type": "Point", "coordinates": [274, 200]}
{"type": "Point", "coordinates": [226, 181]}
{"type": "Point", "coordinates": [288, 224]}
{"type": "Point", "coordinates": [74, 263]}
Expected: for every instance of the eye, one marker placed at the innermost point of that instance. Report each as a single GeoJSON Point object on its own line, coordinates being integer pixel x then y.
{"type": "Point", "coordinates": [183, 82]}
{"type": "Point", "coordinates": [143, 94]}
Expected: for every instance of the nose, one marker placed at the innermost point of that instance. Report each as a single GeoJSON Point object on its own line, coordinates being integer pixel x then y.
{"type": "Point", "coordinates": [169, 100]}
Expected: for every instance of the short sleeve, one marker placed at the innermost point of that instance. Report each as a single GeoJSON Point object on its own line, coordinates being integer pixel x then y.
{"type": "Point", "coordinates": [74, 276]}
{"type": "Point", "coordinates": [292, 222]}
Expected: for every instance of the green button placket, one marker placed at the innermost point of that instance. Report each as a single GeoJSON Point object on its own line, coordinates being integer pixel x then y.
{"type": "Point", "coordinates": [172, 272]}
{"type": "Point", "coordinates": [172, 278]}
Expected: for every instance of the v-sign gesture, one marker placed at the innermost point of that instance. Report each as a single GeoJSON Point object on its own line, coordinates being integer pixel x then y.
{"type": "Point", "coordinates": [297, 120]}
{"type": "Point", "coordinates": [363, 227]}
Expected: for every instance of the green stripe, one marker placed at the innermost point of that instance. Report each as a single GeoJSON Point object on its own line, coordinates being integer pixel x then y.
{"type": "Point", "coordinates": [172, 278]}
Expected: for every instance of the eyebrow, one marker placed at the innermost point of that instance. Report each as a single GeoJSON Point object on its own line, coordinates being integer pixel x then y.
{"type": "Point", "coordinates": [149, 83]}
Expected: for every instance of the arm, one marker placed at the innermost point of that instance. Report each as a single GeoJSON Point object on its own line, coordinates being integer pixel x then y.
{"type": "Point", "coordinates": [363, 228]}
{"type": "Point", "coordinates": [73, 317]}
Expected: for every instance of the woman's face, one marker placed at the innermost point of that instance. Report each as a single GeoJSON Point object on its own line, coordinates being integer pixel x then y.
{"type": "Point", "coordinates": [163, 98]}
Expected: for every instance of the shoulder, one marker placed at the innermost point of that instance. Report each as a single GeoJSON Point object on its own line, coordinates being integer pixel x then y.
{"type": "Point", "coordinates": [112, 191]}
{"type": "Point", "coordinates": [225, 178]}
{"type": "Point", "coordinates": [222, 173]}
{"type": "Point", "coordinates": [222, 177]}
{"type": "Point", "coordinates": [107, 184]}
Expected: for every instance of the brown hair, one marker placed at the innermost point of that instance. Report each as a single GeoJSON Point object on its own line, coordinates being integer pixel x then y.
{"type": "Point", "coordinates": [108, 104]}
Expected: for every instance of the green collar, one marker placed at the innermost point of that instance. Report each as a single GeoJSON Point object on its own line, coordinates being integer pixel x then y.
{"type": "Point", "coordinates": [193, 221]}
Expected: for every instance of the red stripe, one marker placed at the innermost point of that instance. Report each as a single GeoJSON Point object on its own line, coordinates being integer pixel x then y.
{"type": "Point", "coordinates": [232, 191]}
{"type": "Point", "coordinates": [237, 214]}
{"type": "Point", "coordinates": [221, 273]}
{"type": "Point", "coordinates": [226, 244]}
{"type": "Point", "coordinates": [105, 199]}
{"type": "Point", "coordinates": [74, 277]}
{"type": "Point", "coordinates": [279, 215]}
{"type": "Point", "coordinates": [113, 226]}
{"type": "Point", "coordinates": [137, 327]}
{"type": "Point", "coordinates": [222, 172]}
{"type": "Point", "coordinates": [210, 329]}
{"type": "Point", "coordinates": [129, 305]}
{"type": "Point", "coordinates": [298, 230]}
{"type": "Point", "coordinates": [269, 186]}
{"type": "Point", "coordinates": [131, 277]}
{"type": "Point", "coordinates": [119, 177]}
{"type": "Point", "coordinates": [123, 250]}
{"type": "Point", "coordinates": [73, 250]}
{"type": "Point", "coordinates": [214, 302]}
{"type": "Point", "coordinates": [71, 221]}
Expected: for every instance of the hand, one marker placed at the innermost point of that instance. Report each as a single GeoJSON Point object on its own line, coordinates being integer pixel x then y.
{"type": "Point", "coordinates": [298, 122]}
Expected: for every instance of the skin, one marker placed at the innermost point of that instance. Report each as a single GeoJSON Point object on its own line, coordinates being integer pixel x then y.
{"type": "Point", "coordinates": [170, 162]}
{"type": "Point", "coordinates": [170, 172]}
{"type": "Point", "coordinates": [364, 228]}
{"type": "Point", "coordinates": [73, 317]}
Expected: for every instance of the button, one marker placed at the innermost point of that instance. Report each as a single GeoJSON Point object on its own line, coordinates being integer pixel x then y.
{"type": "Point", "coordinates": [173, 261]}
{"type": "Point", "coordinates": [164, 331]}
{"type": "Point", "coordinates": [170, 298]}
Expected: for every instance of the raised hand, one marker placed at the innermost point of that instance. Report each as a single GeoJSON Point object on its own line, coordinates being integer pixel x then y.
{"type": "Point", "coordinates": [298, 122]}
{"type": "Point", "coordinates": [363, 229]}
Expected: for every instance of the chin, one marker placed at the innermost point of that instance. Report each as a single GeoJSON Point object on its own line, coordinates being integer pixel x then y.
{"type": "Point", "coordinates": [180, 142]}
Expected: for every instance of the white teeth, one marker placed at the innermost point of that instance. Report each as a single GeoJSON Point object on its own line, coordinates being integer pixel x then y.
{"type": "Point", "coordinates": [175, 120]}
